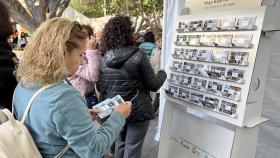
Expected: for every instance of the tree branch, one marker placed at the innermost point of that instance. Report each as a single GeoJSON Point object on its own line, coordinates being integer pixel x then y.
{"type": "Point", "coordinates": [34, 10]}
{"type": "Point", "coordinates": [53, 6]}
{"type": "Point", "coordinates": [156, 28]}
{"type": "Point", "coordinates": [20, 15]}
{"type": "Point", "coordinates": [140, 25]}
{"type": "Point", "coordinates": [63, 5]}
{"type": "Point", "coordinates": [30, 6]}
{"type": "Point", "coordinates": [38, 12]}
{"type": "Point", "coordinates": [43, 9]}
{"type": "Point", "coordinates": [136, 21]}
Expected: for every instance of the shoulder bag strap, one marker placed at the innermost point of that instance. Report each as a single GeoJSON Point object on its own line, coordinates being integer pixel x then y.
{"type": "Point", "coordinates": [68, 82]}
{"type": "Point", "coordinates": [32, 99]}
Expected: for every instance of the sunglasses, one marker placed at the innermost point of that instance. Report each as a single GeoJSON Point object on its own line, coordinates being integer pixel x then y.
{"type": "Point", "coordinates": [77, 24]}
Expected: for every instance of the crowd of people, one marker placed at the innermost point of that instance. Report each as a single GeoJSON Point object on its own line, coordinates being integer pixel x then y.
{"type": "Point", "coordinates": [16, 40]}
{"type": "Point", "coordinates": [82, 69]}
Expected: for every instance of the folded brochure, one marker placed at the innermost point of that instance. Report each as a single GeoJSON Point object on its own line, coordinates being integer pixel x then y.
{"type": "Point", "coordinates": [108, 106]}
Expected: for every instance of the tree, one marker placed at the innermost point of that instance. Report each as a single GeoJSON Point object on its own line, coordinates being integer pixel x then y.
{"type": "Point", "coordinates": [150, 11]}
{"type": "Point", "coordinates": [147, 12]}
{"type": "Point", "coordinates": [31, 13]}
{"type": "Point", "coordinates": [90, 8]}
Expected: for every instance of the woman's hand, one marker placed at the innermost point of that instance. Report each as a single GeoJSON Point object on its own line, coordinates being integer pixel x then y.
{"type": "Point", "coordinates": [125, 109]}
{"type": "Point", "coordinates": [91, 43]}
{"type": "Point", "coordinates": [94, 113]}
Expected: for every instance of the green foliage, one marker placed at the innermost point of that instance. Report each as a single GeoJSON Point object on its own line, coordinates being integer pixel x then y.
{"type": "Point", "coordinates": [148, 5]}
{"type": "Point", "coordinates": [149, 10]}
{"type": "Point", "coordinates": [94, 8]}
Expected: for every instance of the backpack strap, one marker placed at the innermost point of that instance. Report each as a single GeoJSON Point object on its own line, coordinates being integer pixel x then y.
{"type": "Point", "coordinates": [65, 149]}
{"type": "Point", "coordinates": [10, 117]}
{"type": "Point", "coordinates": [13, 108]}
{"type": "Point", "coordinates": [32, 99]}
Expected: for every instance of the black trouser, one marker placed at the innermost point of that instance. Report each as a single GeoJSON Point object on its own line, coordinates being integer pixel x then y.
{"type": "Point", "coordinates": [129, 144]}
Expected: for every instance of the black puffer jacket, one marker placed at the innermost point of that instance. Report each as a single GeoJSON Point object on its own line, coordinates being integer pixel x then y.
{"type": "Point", "coordinates": [128, 72]}
{"type": "Point", "coordinates": [7, 79]}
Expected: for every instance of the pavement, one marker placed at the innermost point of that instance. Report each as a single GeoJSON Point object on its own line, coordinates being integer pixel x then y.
{"type": "Point", "coordinates": [150, 147]}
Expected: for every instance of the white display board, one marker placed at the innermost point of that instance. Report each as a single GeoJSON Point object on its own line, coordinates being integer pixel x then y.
{"type": "Point", "coordinates": [186, 135]}
{"type": "Point", "coordinates": [212, 63]}
{"type": "Point", "coordinates": [269, 44]}
{"type": "Point", "coordinates": [191, 139]}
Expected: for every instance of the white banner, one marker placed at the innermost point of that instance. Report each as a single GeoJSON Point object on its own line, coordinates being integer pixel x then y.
{"type": "Point", "coordinates": [198, 6]}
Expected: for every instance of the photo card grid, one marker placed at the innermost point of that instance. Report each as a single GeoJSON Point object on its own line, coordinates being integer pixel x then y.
{"type": "Point", "coordinates": [211, 71]}
{"type": "Point", "coordinates": [225, 24]}
{"type": "Point", "coordinates": [186, 85]}
{"type": "Point", "coordinates": [213, 56]}
{"type": "Point", "coordinates": [205, 101]}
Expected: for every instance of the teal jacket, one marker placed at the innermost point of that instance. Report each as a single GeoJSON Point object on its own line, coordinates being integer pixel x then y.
{"type": "Point", "coordinates": [148, 48]}
{"type": "Point", "coordinates": [59, 116]}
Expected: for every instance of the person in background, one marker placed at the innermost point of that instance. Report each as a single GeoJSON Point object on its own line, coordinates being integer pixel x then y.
{"type": "Point", "coordinates": [59, 115]}
{"type": "Point", "coordinates": [10, 42]}
{"type": "Point", "coordinates": [7, 65]}
{"type": "Point", "coordinates": [149, 43]}
{"type": "Point", "coordinates": [156, 63]}
{"type": "Point", "coordinates": [22, 40]}
{"type": "Point", "coordinates": [88, 73]}
{"type": "Point", "coordinates": [126, 70]}
{"type": "Point", "coordinates": [27, 37]}
{"type": "Point", "coordinates": [15, 37]}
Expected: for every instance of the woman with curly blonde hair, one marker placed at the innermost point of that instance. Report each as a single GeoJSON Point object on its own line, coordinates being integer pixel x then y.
{"type": "Point", "coordinates": [59, 115]}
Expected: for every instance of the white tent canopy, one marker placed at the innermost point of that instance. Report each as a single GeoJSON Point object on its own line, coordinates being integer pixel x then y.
{"type": "Point", "coordinates": [96, 23]}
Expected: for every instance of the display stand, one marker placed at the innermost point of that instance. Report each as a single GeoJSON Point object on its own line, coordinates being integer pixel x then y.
{"type": "Point", "coordinates": [216, 81]}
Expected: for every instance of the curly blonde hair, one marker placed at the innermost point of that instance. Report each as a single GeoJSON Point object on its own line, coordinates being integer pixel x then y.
{"type": "Point", "coordinates": [44, 59]}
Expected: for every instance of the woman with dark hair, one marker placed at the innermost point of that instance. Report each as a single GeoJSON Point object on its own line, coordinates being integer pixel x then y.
{"type": "Point", "coordinates": [89, 30]}
{"type": "Point", "coordinates": [7, 66]}
{"type": "Point", "coordinates": [149, 43]}
{"type": "Point", "coordinates": [126, 70]}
